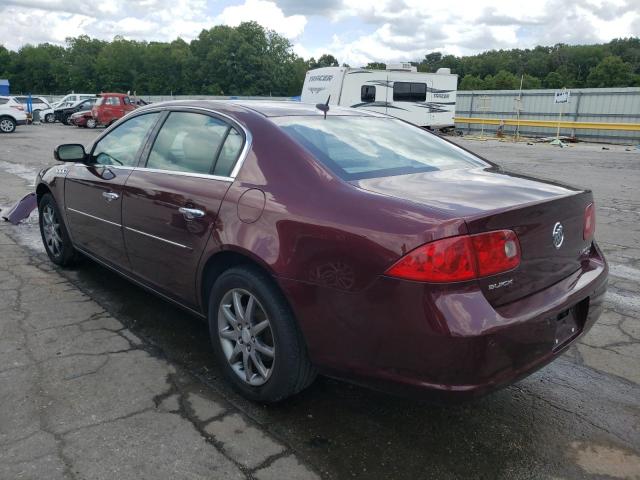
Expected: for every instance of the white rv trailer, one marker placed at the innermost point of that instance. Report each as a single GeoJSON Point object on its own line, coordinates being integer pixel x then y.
{"type": "Point", "coordinates": [424, 99]}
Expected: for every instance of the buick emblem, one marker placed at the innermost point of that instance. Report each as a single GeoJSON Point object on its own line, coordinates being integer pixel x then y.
{"type": "Point", "coordinates": [558, 235]}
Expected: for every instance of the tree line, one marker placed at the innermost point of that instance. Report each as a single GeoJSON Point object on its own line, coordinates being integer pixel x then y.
{"type": "Point", "coordinates": [250, 60]}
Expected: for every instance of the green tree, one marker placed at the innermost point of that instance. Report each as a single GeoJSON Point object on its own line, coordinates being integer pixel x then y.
{"type": "Point", "coordinates": [5, 59]}
{"type": "Point", "coordinates": [471, 82]}
{"type": "Point", "coordinates": [504, 80]}
{"type": "Point", "coordinates": [530, 82]}
{"type": "Point", "coordinates": [325, 60]}
{"type": "Point", "coordinates": [611, 72]}
{"type": "Point", "coordinates": [376, 66]}
{"type": "Point", "coordinates": [80, 59]}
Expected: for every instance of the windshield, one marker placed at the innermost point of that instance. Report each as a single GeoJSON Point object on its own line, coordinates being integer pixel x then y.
{"type": "Point", "coordinates": [367, 147]}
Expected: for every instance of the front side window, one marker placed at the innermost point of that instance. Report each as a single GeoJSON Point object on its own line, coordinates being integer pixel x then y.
{"type": "Point", "coordinates": [368, 93]}
{"type": "Point", "coordinates": [120, 147]}
{"type": "Point", "coordinates": [126, 100]}
{"type": "Point", "coordinates": [368, 147]}
{"type": "Point", "coordinates": [409, 92]}
{"type": "Point", "coordinates": [188, 142]}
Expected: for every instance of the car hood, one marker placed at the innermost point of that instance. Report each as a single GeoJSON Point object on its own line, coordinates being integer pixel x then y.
{"type": "Point", "coordinates": [467, 192]}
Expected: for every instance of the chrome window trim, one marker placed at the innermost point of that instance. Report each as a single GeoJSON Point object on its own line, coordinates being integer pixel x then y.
{"type": "Point", "coordinates": [104, 165]}
{"type": "Point", "coordinates": [158, 238]}
{"type": "Point", "coordinates": [248, 138]}
{"type": "Point", "coordinates": [185, 174]}
{"type": "Point", "coordinates": [94, 217]}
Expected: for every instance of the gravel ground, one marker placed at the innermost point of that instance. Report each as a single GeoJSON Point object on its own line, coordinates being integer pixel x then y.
{"type": "Point", "coordinates": [158, 407]}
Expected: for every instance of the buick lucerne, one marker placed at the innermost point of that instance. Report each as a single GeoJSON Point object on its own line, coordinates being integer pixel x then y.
{"type": "Point", "coordinates": [343, 242]}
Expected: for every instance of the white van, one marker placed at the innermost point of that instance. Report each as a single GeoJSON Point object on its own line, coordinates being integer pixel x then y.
{"type": "Point", "coordinates": [424, 99]}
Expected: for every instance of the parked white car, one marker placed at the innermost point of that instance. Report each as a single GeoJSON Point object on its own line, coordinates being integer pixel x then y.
{"type": "Point", "coordinates": [11, 115]}
{"type": "Point", "coordinates": [39, 104]}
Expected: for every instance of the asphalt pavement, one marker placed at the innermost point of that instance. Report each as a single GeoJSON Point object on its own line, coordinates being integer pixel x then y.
{"type": "Point", "coordinates": [99, 379]}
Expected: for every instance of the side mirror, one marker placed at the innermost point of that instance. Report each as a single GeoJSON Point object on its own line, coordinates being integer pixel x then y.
{"type": "Point", "coordinates": [70, 152]}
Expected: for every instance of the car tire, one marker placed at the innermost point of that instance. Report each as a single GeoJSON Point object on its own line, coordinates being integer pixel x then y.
{"type": "Point", "coordinates": [66, 119]}
{"type": "Point", "coordinates": [7, 125]}
{"type": "Point", "coordinates": [49, 118]}
{"type": "Point", "coordinates": [242, 350]}
{"type": "Point", "coordinates": [53, 230]}
{"type": "Point", "coordinates": [91, 123]}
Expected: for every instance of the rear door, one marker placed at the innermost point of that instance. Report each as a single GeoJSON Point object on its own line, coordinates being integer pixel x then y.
{"type": "Point", "coordinates": [171, 205]}
{"type": "Point", "coordinates": [93, 192]}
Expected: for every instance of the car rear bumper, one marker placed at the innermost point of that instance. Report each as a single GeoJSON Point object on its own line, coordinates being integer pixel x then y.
{"type": "Point", "coordinates": [445, 342]}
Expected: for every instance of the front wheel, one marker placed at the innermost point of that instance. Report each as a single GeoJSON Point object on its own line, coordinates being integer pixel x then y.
{"type": "Point", "coordinates": [66, 119]}
{"type": "Point", "coordinates": [54, 232]}
{"type": "Point", "coordinates": [255, 336]}
{"type": "Point", "coordinates": [49, 118]}
{"type": "Point", "coordinates": [91, 123]}
{"type": "Point", "coordinates": [7, 125]}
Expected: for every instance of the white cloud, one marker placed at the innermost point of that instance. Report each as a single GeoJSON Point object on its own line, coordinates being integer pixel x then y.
{"type": "Point", "coordinates": [407, 30]}
{"type": "Point", "coordinates": [268, 14]}
{"type": "Point", "coordinates": [355, 31]}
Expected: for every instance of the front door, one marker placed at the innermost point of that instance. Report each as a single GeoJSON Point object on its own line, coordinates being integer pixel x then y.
{"type": "Point", "coordinates": [170, 207]}
{"type": "Point", "coordinates": [93, 191]}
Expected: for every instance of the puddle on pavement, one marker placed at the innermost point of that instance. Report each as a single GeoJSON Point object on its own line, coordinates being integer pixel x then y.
{"type": "Point", "coordinates": [596, 459]}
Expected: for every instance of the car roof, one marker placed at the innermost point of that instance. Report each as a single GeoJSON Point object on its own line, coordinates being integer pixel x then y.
{"type": "Point", "coordinates": [269, 108]}
{"type": "Point", "coordinates": [102, 94]}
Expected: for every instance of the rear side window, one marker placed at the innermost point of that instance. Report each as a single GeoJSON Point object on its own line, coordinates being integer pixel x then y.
{"type": "Point", "coordinates": [368, 93]}
{"type": "Point", "coordinates": [368, 147]}
{"type": "Point", "coordinates": [409, 92]}
{"type": "Point", "coordinates": [127, 101]}
{"type": "Point", "coordinates": [3, 101]}
{"type": "Point", "coordinates": [120, 146]}
{"type": "Point", "coordinates": [229, 153]}
{"type": "Point", "coordinates": [188, 142]}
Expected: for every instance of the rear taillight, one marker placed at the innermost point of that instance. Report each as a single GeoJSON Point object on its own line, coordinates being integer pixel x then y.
{"type": "Point", "coordinates": [496, 252]}
{"type": "Point", "coordinates": [447, 260]}
{"type": "Point", "coordinates": [589, 222]}
{"type": "Point", "coordinates": [460, 258]}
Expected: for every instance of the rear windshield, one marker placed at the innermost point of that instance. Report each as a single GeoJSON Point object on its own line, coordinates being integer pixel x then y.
{"type": "Point", "coordinates": [368, 147]}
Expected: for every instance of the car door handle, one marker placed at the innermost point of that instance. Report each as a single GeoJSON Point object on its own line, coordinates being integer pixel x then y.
{"type": "Point", "coordinates": [110, 196]}
{"type": "Point", "coordinates": [191, 213]}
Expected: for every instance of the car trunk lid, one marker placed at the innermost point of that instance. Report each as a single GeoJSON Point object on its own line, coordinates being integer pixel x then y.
{"type": "Point", "coordinates": [490, 199]}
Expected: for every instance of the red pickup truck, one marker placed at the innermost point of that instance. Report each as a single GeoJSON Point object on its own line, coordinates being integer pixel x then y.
{"type": "Point", "coordinates": [111, 106]}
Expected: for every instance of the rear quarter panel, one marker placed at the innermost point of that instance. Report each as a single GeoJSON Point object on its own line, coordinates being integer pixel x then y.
{"type": "Point", "coordinates": [315, 228]}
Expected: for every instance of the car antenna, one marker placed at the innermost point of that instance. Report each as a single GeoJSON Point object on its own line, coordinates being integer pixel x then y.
{"type": "Point", "coordinates": [324, 107]}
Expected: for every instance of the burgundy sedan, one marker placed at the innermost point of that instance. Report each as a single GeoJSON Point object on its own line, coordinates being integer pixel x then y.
{"type": "Point", "coordinates": [347, 243]}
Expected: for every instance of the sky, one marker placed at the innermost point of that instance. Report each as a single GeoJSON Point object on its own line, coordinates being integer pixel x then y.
{"type": "Point", "coordinates": [354, 31]}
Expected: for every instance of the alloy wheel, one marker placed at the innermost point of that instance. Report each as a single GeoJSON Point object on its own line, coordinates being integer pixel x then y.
{"type": "Point", "coordinates": [6, 125]}
{"type": "Point", "coordinates": [51, 230]}
{"type": "Point", "coordinates": [246, 336]}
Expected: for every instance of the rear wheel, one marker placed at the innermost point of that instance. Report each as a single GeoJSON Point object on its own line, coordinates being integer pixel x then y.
{"type": "Point", "coordinates": [54, 232]}
{"type": "Point", "coordinates": [7, 125]}
{"type": "Point", "coordinates": [66, 119]}
{"type": "Point", "coordinates": [255, 336]}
